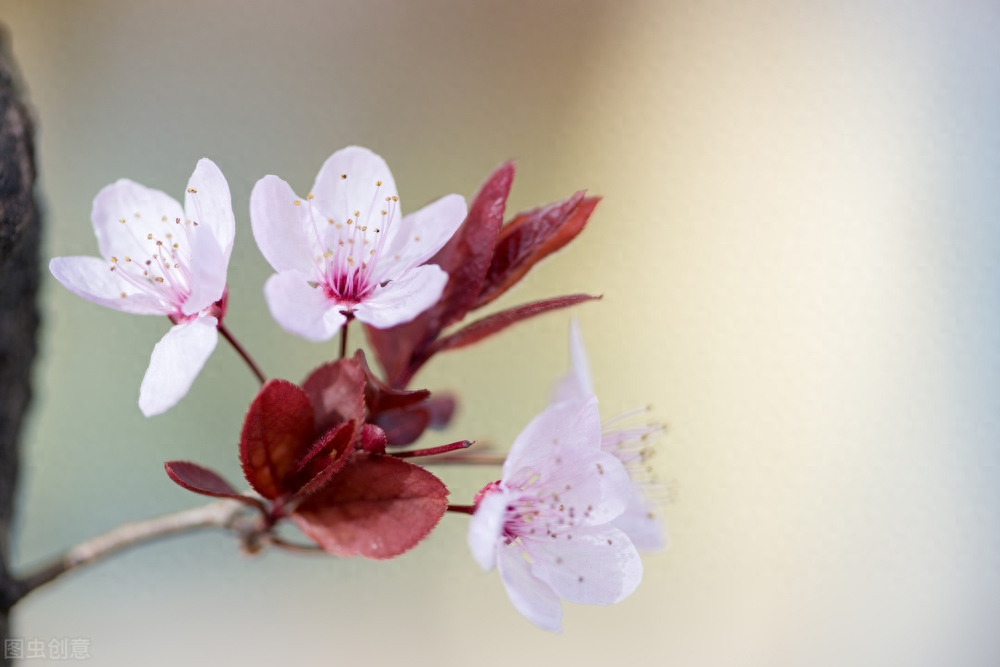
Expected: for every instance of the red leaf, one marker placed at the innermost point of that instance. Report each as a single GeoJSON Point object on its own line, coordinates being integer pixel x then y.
{"type": "Point", "coordinates": [380, 397]}
{"type": "Point", "coordinates": [278, 433]}
{"type": "Point", "coordinates": [492, 324]}
{"type": "Point", "coordinates": [376, 506]}
{"type": "Point", "coordinates": [201, 480]}
{"type": "Point", "coordinates": [405, 425]}
{"type": "Point", "coordinates": [469, 253]}
{"type": "Point", "coordinates": [530, 237]}
{"type": "Point", "coordinates": [441, 409]}
{"type": "Point", "coordinates": [337, 393]}
{"type": "Point", "coordinates": [465, 258]}
{"type": "Point", "coordinates": [194, 477]}
{"type": "Point", "coordinates": [325, 459]}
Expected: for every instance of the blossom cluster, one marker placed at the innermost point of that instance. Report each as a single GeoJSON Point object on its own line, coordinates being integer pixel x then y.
{"type": "Point", "coordinates": [330, 454]}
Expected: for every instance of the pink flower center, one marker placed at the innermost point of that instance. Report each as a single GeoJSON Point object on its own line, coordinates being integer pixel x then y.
{"type": "Point", "coordinates": [348, 247]}
{"type": "Point", "coordinates": [161, 265]}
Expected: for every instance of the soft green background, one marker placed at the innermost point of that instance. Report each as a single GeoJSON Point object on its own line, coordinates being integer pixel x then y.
{"type": "Point", "coordinates": [798, 254]}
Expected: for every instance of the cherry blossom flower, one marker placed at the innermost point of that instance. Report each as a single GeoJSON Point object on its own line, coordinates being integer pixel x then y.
{"type": "Point", "coordinates": [345, 250]}
{"type": "Point", "coordinates": [159, 259]}
{"type": "Point", "coordinates": [547, 525]}
{"type": "Point", "coordinates": [631, 445]}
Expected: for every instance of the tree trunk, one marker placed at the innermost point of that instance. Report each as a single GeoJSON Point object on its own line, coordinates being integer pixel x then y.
{"type": "Point", "coordinates": [20, 227]}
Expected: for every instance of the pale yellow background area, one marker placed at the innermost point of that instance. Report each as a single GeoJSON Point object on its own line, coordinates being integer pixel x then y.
{"type": "Point", "coordinates": [797, 250]}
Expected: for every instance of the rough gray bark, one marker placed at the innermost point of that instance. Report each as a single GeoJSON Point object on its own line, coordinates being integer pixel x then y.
{"type": "Point", "coordinates": [20, 227]}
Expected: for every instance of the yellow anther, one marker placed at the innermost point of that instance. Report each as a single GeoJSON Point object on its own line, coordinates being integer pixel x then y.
{"type": "Point", "coordinates": [309, 196]}
{"type": "Point", "coordinates": [114, 260]}
{"type": "Point", "coordinates": [159, 279]}
{"type": "Point", "coordinates": [149, 237]}
{"type": "Point", "coordinates": [296, 202]}
{"type": "Point", "coordinates": [163, 219]}
{"type": "Point", "coordinates": [378, 184]}
{"type": "Point", "coordinates": [384, 212]}
{"type": "Point", "coordinates": [357, 214]}
{"type": "Point", "coordinates": [124, 295]}
{"type": "Point", "coordinates": [192, 190]}
{"type": "Point", "coordinates": [127, 258]}
{"type": "Point", "coordinates": [343, 176]}
{"type": "Point", "coordinates": [121, 220]}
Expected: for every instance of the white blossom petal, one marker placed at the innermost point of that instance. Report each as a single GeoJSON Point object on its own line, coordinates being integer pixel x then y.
{"type": "Point", "coordinates": [176, 361]}
{"type": "Point", "coordinates": [93, 279]}
{"type": "Point", "coordinates": [576, 384]}
{"type": "Point", "coordinates": [599, 565]}
{"type": "Point", "coordinates": [300, 308]}
{"type": "Point", "coordinates": [403, 299]}
{"type": "Point", "coordinates": [640, 522]}
{"type": "Point", "coordinates": [486, 528]}
{"type": "Point", "coordinates": [209, 203]}
{"type": "Point", "coordinates": [530, 595]}
{"type": "Point", "coordinates": [123, 206]}
{"type": "Point", "coordinates": [420, 235]}
{"type": "Point", "coordinates": [208, 272]}
{"type": "Point", "coordinates": [355, 179]}
{"type": "Point", "coordinates": [562, 426]}
{"type": "Point", "coordinates": [281, 226]}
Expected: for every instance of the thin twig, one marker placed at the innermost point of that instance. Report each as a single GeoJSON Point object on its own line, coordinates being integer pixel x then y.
{"type": "Point", "coordinates": [462, 509]}
{"type": "Point", "coordinates": [296, 547]}
{"type": "Point", "coordinates": [219, 514]}
{"type": "Point", "coordinates": [242, 352]}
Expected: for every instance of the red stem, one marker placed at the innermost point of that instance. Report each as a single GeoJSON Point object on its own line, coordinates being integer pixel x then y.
{"type": "Point", "coordinates": [469, 459]}
{"type": "Point", "coordinates": [443, 449]}
{"type": "Point", "coordinates": [462, 509]}
{"type": "Point", "coordinates": [343, 333]}
{"type": "Point", "coordinates": [242, 352]}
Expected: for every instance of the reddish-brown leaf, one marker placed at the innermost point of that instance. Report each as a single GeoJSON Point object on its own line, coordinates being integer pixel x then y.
{"type": "Point", "coordinates": [278, 433]}
{"type": "Point", "coordinates": [380, 397]}
{"type": "Point", "coordinates": [337, 393]}
{"type": "Point", "coordinates": [441, 408]}
{"type": "Point", "coordinates": [531, 237]}
{"type": "Point", "coordinates": [376, 507]}
{"type": "Point", "coordinates": [468, 255]}
{"type": "Point", "coordinates": [194, 477]}
{"type": "Point", "coordinates": [404, 425]}
{"type": "Point", "coordinates": [466, 259]}
{"type": "Point", "coordinates": [326, 457]}
{"type": "Point", "coordinates": [497, 322]}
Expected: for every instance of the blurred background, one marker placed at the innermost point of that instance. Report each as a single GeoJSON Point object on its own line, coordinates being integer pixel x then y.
{"type": "Point", "coordinates": [797, 250]}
